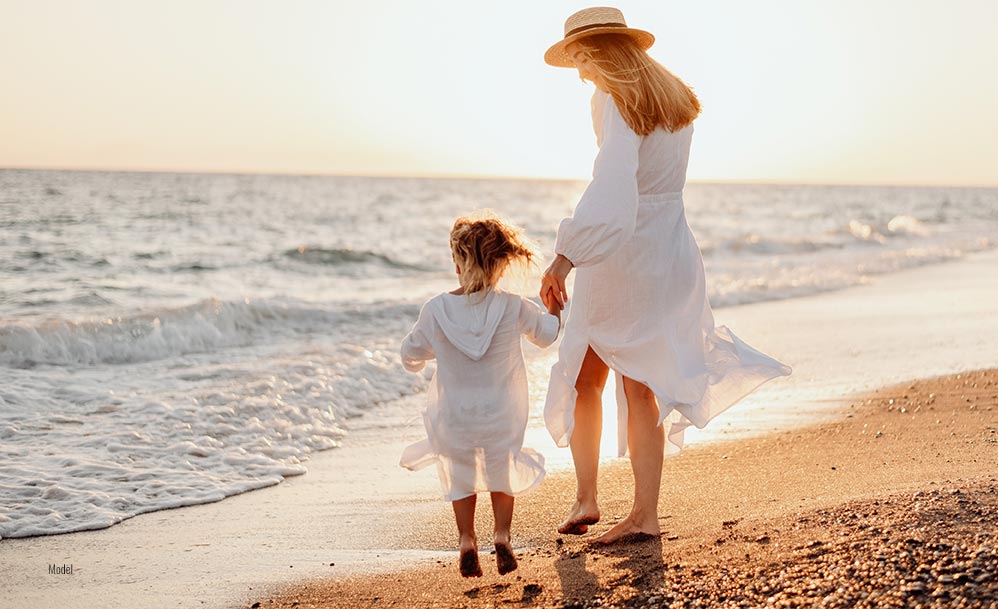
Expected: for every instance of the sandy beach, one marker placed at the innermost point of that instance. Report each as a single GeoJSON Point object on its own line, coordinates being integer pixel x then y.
{"type": "Point", "coordinates": [895, 504]}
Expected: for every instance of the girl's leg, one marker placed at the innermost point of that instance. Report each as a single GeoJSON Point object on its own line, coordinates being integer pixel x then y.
{"type": "Point", "coordinates": [502, 509]}
{"type": "Point", "coordinates": [464, 513]}
{"type": "Point", "coordinates": [646, 444]}
{"type": "Point", "coordinates": [585, 443]}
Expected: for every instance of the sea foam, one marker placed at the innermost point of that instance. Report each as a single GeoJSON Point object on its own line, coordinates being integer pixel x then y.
{"type": "Point", "coordinates": [86, 446]}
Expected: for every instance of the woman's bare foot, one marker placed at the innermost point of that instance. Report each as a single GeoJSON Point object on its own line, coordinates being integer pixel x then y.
{"type": "Point", "coordinates": [469, 565]}
{"type": "Point", "coordinates": [627, 530]}
{"type": "Point", "coordinates": [583, 514]}
{"type": "Point", "coordinates": [505, 559]}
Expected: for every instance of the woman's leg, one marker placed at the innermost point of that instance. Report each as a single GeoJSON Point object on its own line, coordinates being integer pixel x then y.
{"type": "Point", "coordinates": [464, 513]}
{"type": "Point", "coordinates": [646, 444]}
{"type": "Point", "coordinates": [502, 509]}
{"type": "Point", "coordinates": [585, 443]}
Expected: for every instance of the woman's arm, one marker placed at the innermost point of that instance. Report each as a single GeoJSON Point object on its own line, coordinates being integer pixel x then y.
{"type": "Point", "coordinates": [605, 216]}
{"type": "Point", "coordinates": [554, 294]}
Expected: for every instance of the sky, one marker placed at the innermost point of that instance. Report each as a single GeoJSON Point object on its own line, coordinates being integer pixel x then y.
{"type": "Point", "coordinates": [822, 91]}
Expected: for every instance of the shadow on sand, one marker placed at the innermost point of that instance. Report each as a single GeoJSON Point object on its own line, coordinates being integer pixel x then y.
{"type": "Point", "coordinates": [637, 563]}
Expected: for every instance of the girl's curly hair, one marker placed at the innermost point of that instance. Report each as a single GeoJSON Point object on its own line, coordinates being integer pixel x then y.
{"type": "Point", "coordinates": [484, 247]}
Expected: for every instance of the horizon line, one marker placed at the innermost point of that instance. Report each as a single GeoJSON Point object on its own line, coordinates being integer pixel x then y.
{"type": "Point", "coordinates": [471, 176]}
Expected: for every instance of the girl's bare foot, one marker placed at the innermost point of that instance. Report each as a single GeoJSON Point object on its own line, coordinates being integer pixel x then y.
{"type": "Point", "coordinates": [505, 559]}
{"type": "Point", "coordinates": [468, 563]}
{"type": "Point", "coordinates": [629, 529]}
{"type": "Point", "coordinates": [470, 567]}
{"type": "Point", "coordinates": [583, 514]}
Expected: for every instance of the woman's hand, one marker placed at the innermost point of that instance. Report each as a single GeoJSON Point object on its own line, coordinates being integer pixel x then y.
{"type": "Point", "coordinates": [553, 289]}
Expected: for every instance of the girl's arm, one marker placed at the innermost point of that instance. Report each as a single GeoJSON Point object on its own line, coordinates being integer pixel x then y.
{"type": "Point", "coordinates": [539, 327]}
{"type": "Point", "coordinates": [416, 346]}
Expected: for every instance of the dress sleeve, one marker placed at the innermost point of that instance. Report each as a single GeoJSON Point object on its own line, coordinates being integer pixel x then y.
{"type": "Point", "coordinates": [605, 216]}
{"type": "Point", "coordinates": [416, 347]}
{"type": "Point", "coordinates": [539, 327]}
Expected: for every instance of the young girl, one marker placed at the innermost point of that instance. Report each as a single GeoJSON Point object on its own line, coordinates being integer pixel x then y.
{"type": "Point", "coordinates": [478, 402]}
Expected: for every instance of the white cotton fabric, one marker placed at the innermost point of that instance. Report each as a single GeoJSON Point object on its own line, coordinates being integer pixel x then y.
{"type": "Point", "coordinates": [640, 297]}
{"type": "Point", "coordinates": [477, 400]}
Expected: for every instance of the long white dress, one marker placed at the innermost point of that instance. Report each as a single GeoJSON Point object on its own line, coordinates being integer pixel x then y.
{"type": "Point", "coordinates": [640, 297]}
{"type": "Point", "coordinates": [477, 400]}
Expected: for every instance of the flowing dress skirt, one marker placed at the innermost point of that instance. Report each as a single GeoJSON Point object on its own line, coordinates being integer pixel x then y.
{"type": "Point", "coordinates": [644, 311]}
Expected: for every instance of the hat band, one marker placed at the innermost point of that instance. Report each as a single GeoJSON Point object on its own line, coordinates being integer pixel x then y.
{"type": "Point", "coordinates": [593, 26]}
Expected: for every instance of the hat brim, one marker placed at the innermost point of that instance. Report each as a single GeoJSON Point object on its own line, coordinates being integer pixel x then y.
{"type": "Point", "coordinates": [557, 57]}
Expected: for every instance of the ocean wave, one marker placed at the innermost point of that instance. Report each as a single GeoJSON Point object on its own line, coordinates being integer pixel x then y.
{"type": "Point", "coordinates": [206, 326]}
{"type": "Point", "coordinates": [43, 261]}
{"type": "Point", "coordinates": [898, 226]}
{"type": "Point", "coordinates": [732, 284]}
{"type": "Point", "coordinates": [192, 267]}
{"type": "Point", "coordinates": [854, 233]}
{"type": "Point", "coordinates": [341, 257]}
{"type": "Point", "coordinates": [766, 246]}
{"type": "Point", "coordinates": [118, 441]}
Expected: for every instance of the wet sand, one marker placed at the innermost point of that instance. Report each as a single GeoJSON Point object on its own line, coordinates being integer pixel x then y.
{"type": "Point", "coordinates": [893, 504]}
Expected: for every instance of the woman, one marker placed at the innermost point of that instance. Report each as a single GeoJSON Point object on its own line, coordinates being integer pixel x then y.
{"type": "Point", "coordinates": [640, 304]}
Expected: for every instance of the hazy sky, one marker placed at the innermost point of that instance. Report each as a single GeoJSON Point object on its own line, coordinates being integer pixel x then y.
{"type": "Point", "coordinates": [857, 91]}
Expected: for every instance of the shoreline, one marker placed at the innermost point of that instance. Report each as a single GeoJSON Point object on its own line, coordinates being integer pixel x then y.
{"type": "Point", "coordinates": [908, 474]}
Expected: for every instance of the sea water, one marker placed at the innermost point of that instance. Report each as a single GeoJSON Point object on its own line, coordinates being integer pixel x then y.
{"type": "Point", "coordinates": [173, 339]}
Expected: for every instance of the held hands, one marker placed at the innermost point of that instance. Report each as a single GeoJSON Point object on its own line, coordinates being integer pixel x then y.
{"type": "Point", "coordinates": [554, 295]}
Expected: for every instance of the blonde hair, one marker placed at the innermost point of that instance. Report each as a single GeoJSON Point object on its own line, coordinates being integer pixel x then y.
{"type": "Point", "coordinates": [647, 94]}
{"type": "Point", "coordinates": [485, 247]}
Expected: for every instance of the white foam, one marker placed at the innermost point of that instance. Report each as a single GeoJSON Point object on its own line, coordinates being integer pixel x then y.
{"type": "Point", "coordinates": [116, 441]}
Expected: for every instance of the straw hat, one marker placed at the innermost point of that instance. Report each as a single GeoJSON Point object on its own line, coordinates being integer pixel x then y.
{"type": "Point", "coordinates": [589, 21]}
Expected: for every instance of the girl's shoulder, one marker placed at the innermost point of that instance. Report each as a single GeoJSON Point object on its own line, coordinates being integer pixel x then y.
{"type": "Point", "coordinates": [449, 301]}
{"type": "Point", "coordinates": [427, 311]}
{"type": "Point", "coordinates": [510, 298]}
{"type": "Point", "coordinates": [436, 300]}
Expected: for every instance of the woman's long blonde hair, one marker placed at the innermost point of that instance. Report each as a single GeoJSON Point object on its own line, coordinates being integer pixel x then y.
{"type": "Point", "coordinates": [647, 94]}
{"type": "Point", "coordinates": [485, 247]}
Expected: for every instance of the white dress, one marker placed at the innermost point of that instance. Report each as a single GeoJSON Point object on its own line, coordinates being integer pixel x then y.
{"type": "Point", "coordinates": [478, 403]}
{"type": "Point", "coordinates": [640, 297]}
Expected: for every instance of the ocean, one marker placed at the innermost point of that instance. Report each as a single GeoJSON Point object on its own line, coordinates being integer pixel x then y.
{"type": "Point", "coordinates": [170, 339]}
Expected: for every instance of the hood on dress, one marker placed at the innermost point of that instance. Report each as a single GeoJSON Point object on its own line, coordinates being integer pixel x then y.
{"type": "Point", "coordinates": [470, 324]}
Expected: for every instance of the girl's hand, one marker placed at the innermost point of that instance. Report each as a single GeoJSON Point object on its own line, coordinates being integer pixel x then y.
{"type": "Point", "coordinates": [553, 289]}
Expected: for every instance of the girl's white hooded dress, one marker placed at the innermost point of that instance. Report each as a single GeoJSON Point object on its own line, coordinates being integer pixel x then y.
{"type": "Point", "coordinates": [477, 399]}
{"type": "Point", "coordinates": [640, 296]}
